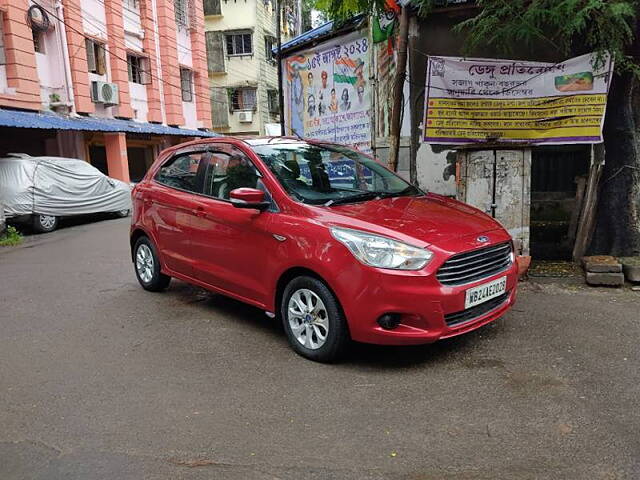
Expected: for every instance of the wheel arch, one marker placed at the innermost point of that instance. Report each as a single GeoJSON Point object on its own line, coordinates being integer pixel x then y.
{"type": "Point", "coordinates": [294, 272]}
{"type": "Point", "coordinates": [134, 237]}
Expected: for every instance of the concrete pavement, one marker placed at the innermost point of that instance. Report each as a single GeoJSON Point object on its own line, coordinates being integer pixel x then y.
{"type": "Point", "coordinates": [102, 380]}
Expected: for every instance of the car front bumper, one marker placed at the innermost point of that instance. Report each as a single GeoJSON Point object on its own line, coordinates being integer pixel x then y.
{"type": "Point", "coordinates": [422, 303]}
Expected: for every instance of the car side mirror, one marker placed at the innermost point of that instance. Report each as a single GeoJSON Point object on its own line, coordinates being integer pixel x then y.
{"type": "Point", "coordinates": [248, 198]}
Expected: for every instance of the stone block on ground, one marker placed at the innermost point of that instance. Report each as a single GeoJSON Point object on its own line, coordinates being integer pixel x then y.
{"type": "Point", "coordinates": [601, 264]}
{"type": "Point", "coordinates": [631, 268]}
{"type": "Point", "coordinates": [606, 279]}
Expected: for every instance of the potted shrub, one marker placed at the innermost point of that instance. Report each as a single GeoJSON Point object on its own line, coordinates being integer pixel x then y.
{"type": "Point", "coordinates": [57, 105]}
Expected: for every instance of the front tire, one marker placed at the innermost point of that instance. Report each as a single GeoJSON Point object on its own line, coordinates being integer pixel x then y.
{"type": "Point", "coordinates": [147, 266]}
{"type": "Point", "coordinates": [44, 223]}
{"type": "Point", "coordinates": [313, 320]}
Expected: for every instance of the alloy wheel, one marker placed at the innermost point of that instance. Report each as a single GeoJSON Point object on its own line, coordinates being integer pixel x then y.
{"type": "Point", "coordinates": [144, 263]}
{"type": "Point", "coordinates": [47, 221]}
{"type": "Point", "coordinates": [308, 318]}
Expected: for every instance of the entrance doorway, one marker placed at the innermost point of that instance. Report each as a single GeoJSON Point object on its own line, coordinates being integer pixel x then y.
{"type": "Point", "coordinates": [98, 158]}
{"type": "Point", "coordinates": [140, 159]}
{"type": "Point", "coordinates": [555, 171]}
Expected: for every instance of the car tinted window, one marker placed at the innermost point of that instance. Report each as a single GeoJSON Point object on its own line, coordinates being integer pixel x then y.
{"type": "Point", "coordinates": [184, 171]}
{"type": "Point", "coordinates": [214, 172]}
{"type": "Point", "coordinates": [228, 171]}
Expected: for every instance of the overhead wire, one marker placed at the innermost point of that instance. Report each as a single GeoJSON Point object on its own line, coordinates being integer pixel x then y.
{"type": "Point", "coordinates": [97, 23]}
{"type": "Point", "coordinates": [151, 74]}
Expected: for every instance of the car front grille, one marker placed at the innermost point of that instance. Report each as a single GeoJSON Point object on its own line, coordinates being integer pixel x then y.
{"type": "Point", "coordinates": [453, 319]}
{"type": "Point", "coordinates": [475, 265]}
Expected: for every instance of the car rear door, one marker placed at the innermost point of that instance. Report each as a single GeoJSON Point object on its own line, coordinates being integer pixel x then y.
{"type": "Point", "coordinates": [230, 245]}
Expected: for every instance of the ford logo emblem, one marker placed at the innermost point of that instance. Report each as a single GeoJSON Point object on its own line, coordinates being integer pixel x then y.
{"type": "Point", "coordinates": [483, 239]}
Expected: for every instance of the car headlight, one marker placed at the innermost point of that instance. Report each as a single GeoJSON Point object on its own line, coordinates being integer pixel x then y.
{"type": "Point", "coordinates": [382, 252]}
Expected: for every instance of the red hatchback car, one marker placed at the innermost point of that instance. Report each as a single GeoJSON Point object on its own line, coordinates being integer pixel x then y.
{"type": "Point", "coordinates": [336, 245]}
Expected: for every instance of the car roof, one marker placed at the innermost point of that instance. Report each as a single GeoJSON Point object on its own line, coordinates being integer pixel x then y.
{"type": "Point", "coordinates": [257, 140]}
{"type": "Point", "coordinates": [29, 158]}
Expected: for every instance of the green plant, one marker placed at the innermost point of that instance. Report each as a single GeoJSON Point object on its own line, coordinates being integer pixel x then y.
{"type": "Point", "coordinates": [10, 238]}
{"type": "Point", "coordinates": [54, 98]}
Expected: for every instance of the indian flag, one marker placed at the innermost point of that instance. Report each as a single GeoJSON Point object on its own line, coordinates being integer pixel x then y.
{"type": "Point", "coordinates": [298, 62]}
{"type": "Point", "coordinates": [345, 67]}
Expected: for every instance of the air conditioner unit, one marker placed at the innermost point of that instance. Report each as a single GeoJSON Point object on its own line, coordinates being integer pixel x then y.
{"type": "Point", "coordinates": [245, 117]}
{"type": "Point", "coordinates": [106, 93]}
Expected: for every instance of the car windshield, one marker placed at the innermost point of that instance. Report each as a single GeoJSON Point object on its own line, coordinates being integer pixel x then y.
{"type": "Point", "coordinates": [326, 174]}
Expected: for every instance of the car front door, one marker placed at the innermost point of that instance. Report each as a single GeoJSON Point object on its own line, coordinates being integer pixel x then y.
{"type": "Point", "coordinates": [171, 204]}
{"type": "Point", "coordinates": [230, 245]}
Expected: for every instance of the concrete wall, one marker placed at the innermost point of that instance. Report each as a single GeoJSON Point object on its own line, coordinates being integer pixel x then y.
{"type": "Point", "coordinates": [20, 86]}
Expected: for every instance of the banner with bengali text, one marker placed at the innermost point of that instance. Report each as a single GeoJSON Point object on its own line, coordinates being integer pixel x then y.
{"type": "Point", "coordinates": [327, 92]}
{"type": "Point", "coordinates": [487, 100]}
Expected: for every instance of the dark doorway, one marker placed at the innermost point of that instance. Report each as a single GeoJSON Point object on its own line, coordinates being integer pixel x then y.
{"type": "Point", "coordinates": [140, 159]}
{"type": "Point", "coordinates": [31, 141]}
{"type": "Point", "coordinates": [98, 158]}
{"type": "Point", "coordinates": [554, 171]}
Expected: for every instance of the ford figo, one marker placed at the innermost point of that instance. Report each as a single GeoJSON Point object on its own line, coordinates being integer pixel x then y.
{"type": "Point", "coordinates": [325, 238]}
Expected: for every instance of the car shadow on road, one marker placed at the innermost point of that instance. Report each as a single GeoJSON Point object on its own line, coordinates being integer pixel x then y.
{"type": "Point", "coordinates": [67, 222]}
{"type": "Point", "coordinates": [401, 357]}
{"type": "Point", "coordinates": [360, 355]}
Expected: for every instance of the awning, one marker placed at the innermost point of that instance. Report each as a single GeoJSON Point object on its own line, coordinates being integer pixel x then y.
{"type": "Point", "coordinates": [51, 121]}
{"type": "Point", "coordinates": [324, 31]}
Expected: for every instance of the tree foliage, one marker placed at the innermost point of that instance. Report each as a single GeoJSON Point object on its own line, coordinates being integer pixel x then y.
{"type": "Point", "coordinates": [338, 10]}
{"type": "Point", "coordinates": [570, 26]}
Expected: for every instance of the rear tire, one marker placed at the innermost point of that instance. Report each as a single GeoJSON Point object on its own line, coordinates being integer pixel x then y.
{"type": "Point", "coordinates": [44, 223]}
{"type": "Point", "coordinates": [147, 266]}
{"type": "Point", "coordinates": [313, 320]}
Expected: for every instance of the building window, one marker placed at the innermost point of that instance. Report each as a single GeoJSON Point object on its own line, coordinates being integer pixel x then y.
{"type": "Point", "coordinates": [132, 4]}
{"type": "Point", "coordinates": [186, 84]}
{"type": "Point", "coordinates": [243, 99]}
{"type": "Point", "coordinates": [181, 9]}
{"type": "Point", "coordinates": [138, 68]}
{"type": "Point", "coordinates": [38, 41]}
{"type": "Point", "coordinates": [274, 101]}
{"type": "Point", "coordinates": [212, 7]}
{"type": "Point", "coordinates": [3, 59]}
{"type": "Point", "coordinates": [269, 43]}
{"type": "Point", "coordinates": [96, 57]}
{"type": "Point", "coordinates": [239, 44]}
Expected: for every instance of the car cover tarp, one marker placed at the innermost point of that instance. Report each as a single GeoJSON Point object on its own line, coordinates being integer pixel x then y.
{"type": "Point", "coordinates": [59, 187]}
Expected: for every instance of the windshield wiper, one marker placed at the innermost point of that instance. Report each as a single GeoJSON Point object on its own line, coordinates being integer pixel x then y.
{"type": "Point", "coordinates": [353, 198]}
{"type": "Point", "coordinates": [410, 190]}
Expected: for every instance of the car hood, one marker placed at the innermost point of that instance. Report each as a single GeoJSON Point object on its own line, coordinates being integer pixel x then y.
{"type": "Point", "coordinates": [432, 219]}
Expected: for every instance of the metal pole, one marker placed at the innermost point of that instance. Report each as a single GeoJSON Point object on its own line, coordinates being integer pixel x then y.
{"type": "Point", "coordinates": [279, 60]}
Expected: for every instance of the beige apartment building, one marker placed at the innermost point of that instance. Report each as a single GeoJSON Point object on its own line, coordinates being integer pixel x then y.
{"type": "Point", "coordinates": [240, 35]}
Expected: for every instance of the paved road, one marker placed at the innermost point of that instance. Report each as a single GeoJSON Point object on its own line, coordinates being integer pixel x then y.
{"type": "Point", "coordinates": [101, 380]}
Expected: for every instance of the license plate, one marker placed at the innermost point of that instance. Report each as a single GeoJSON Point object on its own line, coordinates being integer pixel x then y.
{"type": "Point", "coordinates": [480, 294]}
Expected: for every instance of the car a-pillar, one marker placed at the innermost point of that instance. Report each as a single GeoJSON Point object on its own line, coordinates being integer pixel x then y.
{"type": "Point", "coordinates": [117, 161]}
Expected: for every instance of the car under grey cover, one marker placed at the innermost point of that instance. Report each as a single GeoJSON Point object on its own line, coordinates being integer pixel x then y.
{"type": "Point", "coordinates": [59, 187]}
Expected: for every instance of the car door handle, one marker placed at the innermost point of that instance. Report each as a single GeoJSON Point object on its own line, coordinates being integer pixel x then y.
{"type": "Point", "coordinates": [199, 212]}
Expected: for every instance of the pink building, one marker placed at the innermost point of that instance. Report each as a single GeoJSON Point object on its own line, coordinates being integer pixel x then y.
{"type": "Point", "coordinates": [108, 81]}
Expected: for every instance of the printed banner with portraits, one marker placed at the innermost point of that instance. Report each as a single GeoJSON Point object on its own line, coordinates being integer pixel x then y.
{"type": "Point", "coordinates": [327, 95]}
